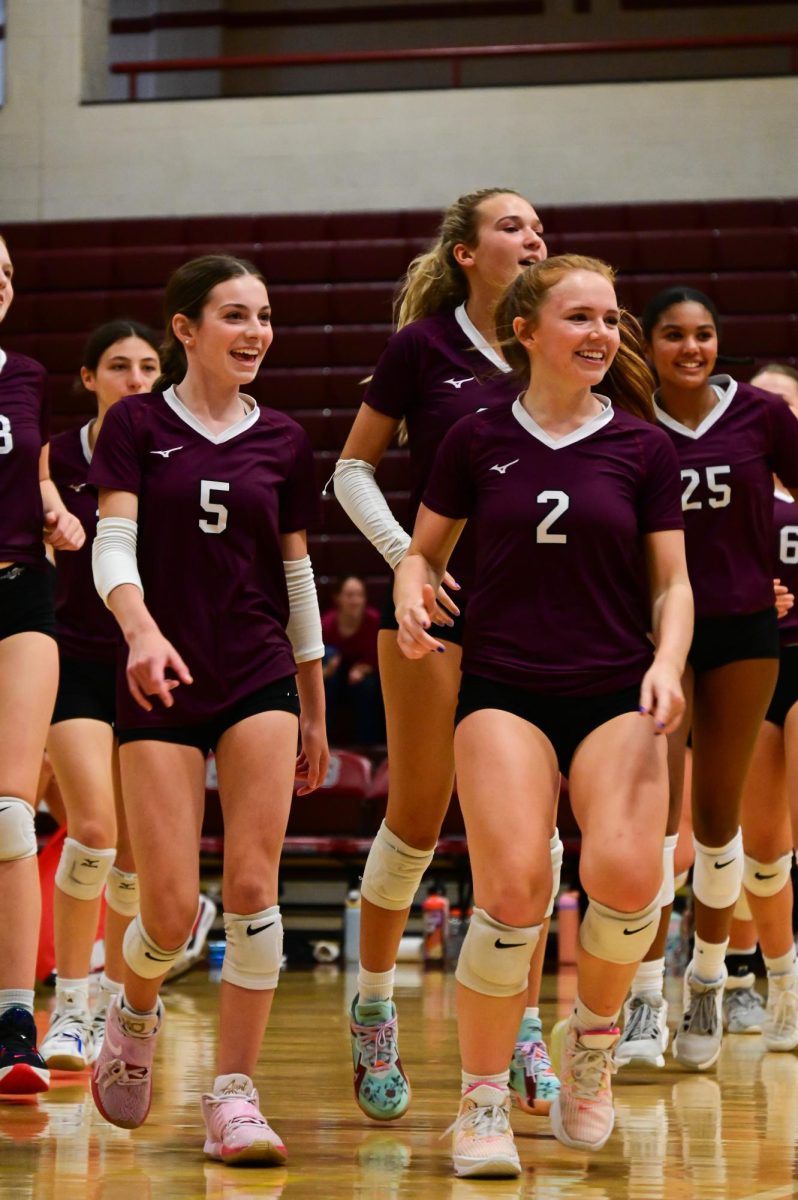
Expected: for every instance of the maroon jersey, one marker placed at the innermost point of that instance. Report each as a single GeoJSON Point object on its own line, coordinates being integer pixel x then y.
{"type": "Point", "coordinates": [23, 433]}
{"type": "Point", "coordinates": [560, 600]}
{"type": "Point", "coordinates": [84, 626]}
{"type": "Point", "coordinates": [433, 372]}
{"type": "Point", "coordinates": [211, 512]}
{"type": "Point", "coordinates": [785, 520]}
{"type": "Point", "coordinates": [727, 466]}
{"type": "Point", "coordinates": [357, 647]}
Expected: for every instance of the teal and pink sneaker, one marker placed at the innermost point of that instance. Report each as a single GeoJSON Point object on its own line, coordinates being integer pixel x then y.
{"type": "Point", "coordinates": [533, 1084]}
{"type": "Point", "coordinates": [382, 1089]}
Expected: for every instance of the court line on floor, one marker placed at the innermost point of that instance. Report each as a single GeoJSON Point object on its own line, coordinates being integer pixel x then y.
{"type": "Point", "coordinates": [779, 1193]}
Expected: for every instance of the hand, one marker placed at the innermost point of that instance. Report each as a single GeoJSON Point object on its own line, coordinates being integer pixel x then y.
{"type": "Point", "coordinates": [444, 605]}
{"type": "Point", "coordinates": [331, 666]}
{"type": "Point", "coordinates": [662, 698]}
{"type": "Point", "coordinates": [63, 531]}
{"type": "Point", "coordinates": [414, 620]}
{"type": "Point", "coordinates": [314, 757]}
{"type": "Point", "coordinates": [150, 657]}
{"type": "Point", "coordinates": [784, 598]}
{"type": "Point", "coordinates": [358, 672]}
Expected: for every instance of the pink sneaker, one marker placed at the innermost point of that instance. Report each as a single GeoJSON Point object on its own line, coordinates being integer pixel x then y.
{"type": "Point", "coordinates": [237, 1131]}
{"type": "Point", "coordinates": [122, 1081]}
{"type": "Point", "coordinates": [582, 1116]}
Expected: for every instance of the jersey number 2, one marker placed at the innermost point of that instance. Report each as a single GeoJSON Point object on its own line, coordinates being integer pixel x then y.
{"type": "Point", "coordinates": [6, 436]}
{"type": "Point", "coordinates": [218, 511]}
{"type": "Point", "coordinates": [560, 500]}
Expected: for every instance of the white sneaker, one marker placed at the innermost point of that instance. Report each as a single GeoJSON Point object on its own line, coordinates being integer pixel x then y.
{"type": "Point", "coordinates": [698, 1040]}
{"type": "Point", "coordinates": [482, 1142]}
{"type": "Point", "coordinates": [743, 1010]}
{"type": "Point", "coordinates": [192, 952]}
{"type": "Point", "coordinates": [780, 1026]}
{"type": "Point", "coordinates": [582, 1116]}
{"type": "Point", "coordinates": [645, 1031]}
{"type": "Point", "coordinates": [66, 1045]}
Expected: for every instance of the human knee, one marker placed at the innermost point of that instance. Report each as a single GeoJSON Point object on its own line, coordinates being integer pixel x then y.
{"type": "Point", "coordinates": [495, 957]}
{"type": "Point", "coordinates": [122, 892]}
{"type": "Point", "coordinates": [172, 926]}
{"type": "Point", "coordinates": [83, 870]}
{"type": "Point", "coordinates": [619, 937]}
{"type": "Point", "coordinates": [254, 951]}
{"type": "Point", "coordinates": [94, 830]}
{"type": "Point", "coordinates": [518, 901]}
{"type": "Point", "coordinates": [628, 882]}
{"type": "Point", "coordinates": [767, 879]}
{"type": "Point", "coordinates": [393, 871]}
{"type": "Point", "coordinates": [251, 894]}
{"type": "Point", "coordinates": [718, 872]}
{"type": "Point", "coordinates": [145, 955]}
{"type": "Point", "coordinates": [17, 830]}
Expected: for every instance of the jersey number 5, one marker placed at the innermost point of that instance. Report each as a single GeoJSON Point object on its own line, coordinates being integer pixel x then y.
{"type": "Point", "coordinates": [218, 511]}
{"type": "Point", "coordinates": [6, 437]}
{"type": "Point", "coordinates": [720, 495]}
{"type": "Point", "coordinates": [560, 500]}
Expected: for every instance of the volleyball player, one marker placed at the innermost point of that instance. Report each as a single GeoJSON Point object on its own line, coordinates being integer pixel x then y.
{"type": "Point", "coordinates": [30, 508]}
{"type": "Point", "coordinates": [442, 363]}
{"type": "Point", "coordinates": [579, 553]}
{"type": "Point", "coordinates": [201, 554]}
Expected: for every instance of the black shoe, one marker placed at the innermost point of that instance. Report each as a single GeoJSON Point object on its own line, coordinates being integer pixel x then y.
{"type": "Point", "coordinates": [22, 1068]}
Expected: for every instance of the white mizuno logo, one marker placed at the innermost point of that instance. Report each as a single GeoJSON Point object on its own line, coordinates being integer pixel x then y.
{"type": "Point", "coordinates": [77, 487]}
{"type": "Point", "coordinates": [458, 383]}
{"type": "Point", "coordinates": [506, 467]}
{"type": "Point", "coordinates": [166, 453]}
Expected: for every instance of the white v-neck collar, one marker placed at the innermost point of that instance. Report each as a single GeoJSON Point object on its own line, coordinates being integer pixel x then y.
{"type": "Point", "coordinates": [85, 444]}
{"type": "Point", "coordinates": [179, 409]}
{"type": "Point", "coordinates": [3, 359]}
{"type": "Point", "coordinates": [726, 389]}
{"type": "Point", "coordinates": [477, 340]}
{"type": "Point", "coordinates": [785, 496]}
{"type": "Point", "coordinates": [590, 427]}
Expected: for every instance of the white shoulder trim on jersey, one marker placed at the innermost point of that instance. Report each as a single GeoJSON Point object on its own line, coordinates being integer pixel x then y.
{"type": "Point", "coordinates": [584, 431]}
{"type": "Point", "coordinates": [725, 388]}
{"type": "Point", "coordinates": [179, 409]}
{"type": "Point", "coordinates": [85, 445]}
{"type": "Point", "coordinates": [477, 340]}
{"type": "Point", "coordinates": [3, 359]}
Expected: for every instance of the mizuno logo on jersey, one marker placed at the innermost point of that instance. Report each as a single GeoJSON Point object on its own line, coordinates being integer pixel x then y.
{"type": "Point", "coordinates": [501, 470]}
{"type": "Point", "coordinates": [77, 487]}
{"type": "Point", "coordinates": [458, 383]}
{"type": "Point", "coordinates": [166, 453]}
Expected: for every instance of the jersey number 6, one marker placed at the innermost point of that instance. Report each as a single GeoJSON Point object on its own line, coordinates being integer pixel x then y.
{"type": "Point", "coordinates": [210, 506]}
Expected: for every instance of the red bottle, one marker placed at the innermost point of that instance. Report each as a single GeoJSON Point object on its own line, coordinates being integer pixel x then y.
{"type": "Point", "coordinates": [435, 912]}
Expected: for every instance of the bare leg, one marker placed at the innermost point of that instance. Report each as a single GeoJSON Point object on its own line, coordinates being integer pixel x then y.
{"type": "Point", "coordinates": [116, 923]}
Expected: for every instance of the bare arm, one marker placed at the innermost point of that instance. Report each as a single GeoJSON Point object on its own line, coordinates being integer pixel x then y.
{"type": "Point", "coordinates": [62, 530]}
{"type": "Point", "coordinates": [672, 624]}
{"type": "Point", "coordinates": [418, 579]}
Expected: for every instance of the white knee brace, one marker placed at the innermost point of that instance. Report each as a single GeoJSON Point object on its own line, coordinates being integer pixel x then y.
{"type": "Point", "coordinates": [143, 955]}
{"type": "Point", "coordinates": [619, 937]}
{"type": "Point", "coordinates": [767, 879]}
{"type": "Point", "coordinates": [122, 892]}
{"type": "Point", "coordinates": [680, 880]}
{"type": "Point", "coordinates": [393, 871]}
{"type": "Point", "coordinates": [254, 951]}
{"type": "Point", "coordinates": [17, 831]}
{"type": "Point", "coordinates": [667, 892]}
{"type": "Point", "coordinates": [742, 909]}
{"type": "Point", "coordinates": [82, 870]}
{"type": "Point", "coordinates": [718, 872]}
{"type": "Point", "coordinates": [556, 852]}
{"type": "Point", "coordinates": [494, 959]}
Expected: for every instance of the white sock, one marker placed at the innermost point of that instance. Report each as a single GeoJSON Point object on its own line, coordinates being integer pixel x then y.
{"type": "Point", "coordinates": [374, 985]}
{"type": "Point", "coordinates": [71, 995]}
{"type": "Point", "coordinates": [708, 959]}
{"type": "Point", "coordinates": [16, 998]}
{"type": "Point", "coordinates": [502, 1080]}
{"type": "Point", "coordinates": [585, 1019]}
{"type": "Point", "coordinates": [649, 978]}
{"type": "Point", "coordinates": [137, 1012]}
{"type": "Point", "coordinates": [532, 1013]}
{"type": "Point", "coordinates": [783, 965]}
{"type": "Point", "coordinates": [107, 984]}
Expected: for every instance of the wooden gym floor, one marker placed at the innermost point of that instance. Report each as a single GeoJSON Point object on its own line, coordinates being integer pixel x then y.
{"type": "Point", "coordinates": [731, 1134]}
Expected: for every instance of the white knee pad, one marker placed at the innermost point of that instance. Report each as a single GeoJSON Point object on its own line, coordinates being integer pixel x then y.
{"type": "Point", "coordinates": [766, 879]}
{"type": "Point", "coordinates": [742, 909]}
{"type": "Point", "coordinates": [122, 892]}
{"type": "Point", "coordinates": [82, 871]}
{"type": "Point", "coordinates": [680, 880]}
{"type": "Point", "coordinates": [494, 959]}
{"type": "Point", "coordinates": [556, 852]}
{"type": "Point", "coordinates": [254, 951]}
{"type": "Point", "coordinates": [17, 831]}
{"type": "Point", "coordinates": [393, 871]}
{"type": "Point", "coordinates": [143, 955]}
{"type": "Point", "coordinates": [667, 892]}
{"type": "Point", "coordinates": [718, 872]}
{"type": "Point", "coordinates": [619, 937]}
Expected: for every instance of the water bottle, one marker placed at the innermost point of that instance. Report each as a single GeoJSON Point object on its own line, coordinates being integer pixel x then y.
{"type": "Point", "coordinates": [351, 934]}
{"type": "Point", "coordinates": [215, 960]}
{"type": "Point", "coordinates": [435, 915]}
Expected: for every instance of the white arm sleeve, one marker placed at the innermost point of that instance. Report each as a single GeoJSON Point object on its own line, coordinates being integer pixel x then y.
{"type": "Point", "coordinates": [113, 555]}
{"type": "Point", "coordinates": [304, 622]}
{"type": "Point", "coordinates": [359, 495]}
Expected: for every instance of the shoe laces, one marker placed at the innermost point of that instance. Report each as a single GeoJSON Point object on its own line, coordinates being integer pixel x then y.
{"type": "Point", "coordinates": [535, 1057]}
{"type": "Point", "coordinates": [68, 1024]}
{"type": "Point", "coordinates": [588, 1070]}
{"type": "Point", "coordinates": [741, 1001]}
{"type": "Point", "coordinates": [377, 1044]}
{"type": "Point", "coordinates": [701, 1016]}
{"type": "Point", "coordinates": [484, 1120]}
{"type": "Point", "coordinates": [120, 1074]}
{"type": "Point", "coordinates": [252, 1117]}
{"type": "Point", "coordinates": [642, 1024]}
{"type": "Point", "coordinates": [784, 1009]}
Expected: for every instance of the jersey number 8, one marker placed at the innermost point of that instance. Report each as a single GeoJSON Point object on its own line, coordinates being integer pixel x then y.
{"type": "Point", "coordinates": [6, 437]}
{"type": "Point", "coordinates": [218, 511]}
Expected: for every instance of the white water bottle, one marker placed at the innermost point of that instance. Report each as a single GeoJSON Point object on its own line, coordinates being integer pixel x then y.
{"type": "Point", "coordinates": [352, 927]}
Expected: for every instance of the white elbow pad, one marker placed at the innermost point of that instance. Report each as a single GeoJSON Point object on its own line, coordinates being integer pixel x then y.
{"type": "Point", "coordinates": [359, 495]}
{"type": "Point", "coordinates": [304, 621]}
{"type": "Point", "coordinates": [113, 555]}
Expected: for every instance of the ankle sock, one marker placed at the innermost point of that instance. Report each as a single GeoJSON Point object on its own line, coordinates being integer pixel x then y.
{"type": "Point", "coordinates": [373, 986]}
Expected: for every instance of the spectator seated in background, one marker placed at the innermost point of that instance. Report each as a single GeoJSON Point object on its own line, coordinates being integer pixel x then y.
{"type": "Point", "coordinates": [351, 679]}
